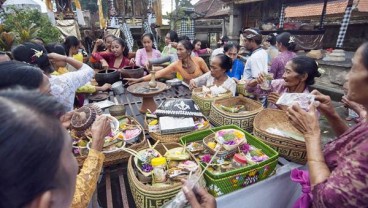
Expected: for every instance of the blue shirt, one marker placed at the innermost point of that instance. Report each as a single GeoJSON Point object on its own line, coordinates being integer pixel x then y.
{"type": "Point", "coordinates": [237, 70]}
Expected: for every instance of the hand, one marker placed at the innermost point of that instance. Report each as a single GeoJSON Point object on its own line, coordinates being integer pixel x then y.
{"type": "Point", "coordinates": [56, 57]}
{"type": "Point", "coordinates": [200, 198]}
{"type": "Point", "coordinates": [273, 97]}
{"type": "Point", "coordinates": [325, 105]}
{"type": "Point", "coordinates": [66, 119]}
{"type": "Point", "coordinates": [99, 42]}
{"type": "Point", "coordinates": [100, 129]}
{"type": "Point", "coordinates": [132, 62]}
{"type": "Point", "coordinates": [105, 87]}
{"type": "Point", "coordinates": [209, 50]}
{"type": "Point", "coordinates": [173, 44]}
{"type": "Point", "coordinates": [358, 108]}
{"type": "Point", "coordinates": [133, 80]}
{"type": "Point", "coordinates": [104, 64]}
{"type": "Point", "coordinates": [261, 78]}
{"type": "Point", "coordinates": [192, 84]}
{"type": "Point", "coordinates": [305, 122]}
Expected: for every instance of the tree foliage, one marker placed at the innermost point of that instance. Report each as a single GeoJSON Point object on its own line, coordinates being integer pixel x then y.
{"type": "Point", "coordinates": [179, 12]}
{"type": "Point", "coordinates": [30, 23]}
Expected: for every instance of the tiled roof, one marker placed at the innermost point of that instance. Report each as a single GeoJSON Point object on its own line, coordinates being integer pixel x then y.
{"type": "Point", "coordinates": [314, 8]}
{"type": "Point", "coordinates": [211, 8]}
{"type": "Point", "coordinates": [202, 6]}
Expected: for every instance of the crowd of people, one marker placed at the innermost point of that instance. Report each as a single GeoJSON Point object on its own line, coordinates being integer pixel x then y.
{"type": "Point", "coordinates": [39, 84]}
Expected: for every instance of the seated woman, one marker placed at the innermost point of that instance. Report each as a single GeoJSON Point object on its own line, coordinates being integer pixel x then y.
{"type": "Point", "coordinates": [48, 170]}
{"type": "Point", "coordinates": [118, 58]}
{"type": "Point", "coordinates": [63, 87]}
{"type": "Point", "coordinates": [286, 45]}
{"type": "Point", "coordinates": [197, 48]}
{"type": "Point", "coordinates": [299, 74]}
{"type": "Point", "coordinates": [188, 67]}
{"type": "Point", "coordinates": [218, 77]}
{"type": "Point", "coordinates": [338, 172]}
{"type": "Point", "coordinates": [236, 71]}
{"type": "Point", "coordinates": [147, 52]}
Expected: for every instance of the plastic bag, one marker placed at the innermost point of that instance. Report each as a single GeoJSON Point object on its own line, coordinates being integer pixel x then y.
{"type": "Point", "coordinates": [303, 99]}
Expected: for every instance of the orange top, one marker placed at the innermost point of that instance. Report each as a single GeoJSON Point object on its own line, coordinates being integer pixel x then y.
{"type": "Point", "coordinates": [177, 66]}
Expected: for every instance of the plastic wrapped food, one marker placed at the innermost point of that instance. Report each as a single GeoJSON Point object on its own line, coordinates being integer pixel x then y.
{"type": "Point", "coordinates": [303, 99]}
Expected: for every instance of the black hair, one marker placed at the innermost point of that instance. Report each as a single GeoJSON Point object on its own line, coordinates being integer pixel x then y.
{"type": "Point", "coordinates": [109, 36]}
{"type": "Point", "coordinates": [173, 36]}
{"type": "Point", "coordinates": [31, 142]}
{"type": "Point", "coordinates": [187, 45]}
{"type": "Point", "coordinates": [184, 37]}
{"type": "Point", "coordinates": [285, 39]}
{"type": "Point", "coordinates": [224, 40]}
{"type": "Point", "coordinates": [6, 53]}
{"type": "Point", "coordinates": [225, 61]}
{"type": "Point", "coordinates": [229, 46]}
{"type": "Point", "coordinates": [365, 54]}
{"type": "Point", "coordinates": [15, 73]}
{"type": "Point", "coordinates": [124, 45]}
{"type": "Point", "coordinates": [150, 36]}
{"type": "Point", "coordinates": [35, 54]}
{"type": "Point", "coordinates": [55, 48]}
{"type": "Point", "coordinates": [305, 65]}
{"type": "Point", "coordinates": [70, 41]}
{"type": "Point", "coordinates": [272, 39]}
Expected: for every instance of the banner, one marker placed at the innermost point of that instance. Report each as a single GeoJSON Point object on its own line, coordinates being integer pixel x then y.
{"type": "Point", "coordinates": [80, 17]}
{"type": "Point", "coordinates": [103, 23]}
{"type": "Point", "coordinates": [50, 11]}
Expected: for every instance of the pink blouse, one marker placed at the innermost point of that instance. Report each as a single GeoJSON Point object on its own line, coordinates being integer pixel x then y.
{"type": "Point", "coordinates": [141, 57]}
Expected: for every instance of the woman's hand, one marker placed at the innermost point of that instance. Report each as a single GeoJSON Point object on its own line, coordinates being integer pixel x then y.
{"type": "Point", "coordinates": [104, 87]}
{"type": "Point", "coordinates": [66, 119]}
{"type": "Point", "coordinates": [192, 84]}
{"type": "Point", "coordinates": [104, 64]}
{"type": "Point", "coordinates": [133, 80]}
{"type": "Point", "coordinates": [209, 50]}
{"type": "Point", "coordinates": [305, 122]}
{"type": "Point", "coordinates": [325, 105]}
{"type": "Point", "coordinates": [173, 44]}
{"type": "Point", "coordinates": [200, 198]}
{"type": "Point", "coordinates": [273, 97]}
{"type": "Point", "coordinates": [358, 108]}
{"type": "Point", "coordinates": [261, 78]}
{"type": "Point", "coordinates": [100, 129]}
{"type": "Point", "coordinates": [132, 62]}
{"type": "Point", "coordinates": [99, 42]}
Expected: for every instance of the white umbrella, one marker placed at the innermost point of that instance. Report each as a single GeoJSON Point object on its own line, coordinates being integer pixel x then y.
{"type": "Point", "coordinates": [21, 4]}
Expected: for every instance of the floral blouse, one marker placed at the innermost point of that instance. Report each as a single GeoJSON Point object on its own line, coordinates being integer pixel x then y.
{"type": "Point", "coordinates": [87, 179]}
{"type": "Point", "coordinates": [347, 159]}
{"type": "Point", "coordinates": [278, 64]}
{"type": "Point", "coordinates": [141, 57]}
{"type": "Point", "coordinates": [64, 86]}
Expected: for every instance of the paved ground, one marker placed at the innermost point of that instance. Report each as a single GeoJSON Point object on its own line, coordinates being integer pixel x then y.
{"type": "Point", "coordinates": [327, 133]}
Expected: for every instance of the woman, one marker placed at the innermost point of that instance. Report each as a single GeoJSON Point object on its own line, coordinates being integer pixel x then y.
{"type": "Point", "coordinates": [299, 74]}
{"type": "Point", "coordinates": [147, 52]}
{"type": "Point", "coordinates": [188, 67]}
{"type": "Point", "coordinates": [286, 45]}
{"type": "Point", "coordinates": [118, 58]}
{"type": "Point", "coordinates": [106, 42]}
{"type": "Point", "coordinates": [197, 48]}
{"type": "Point", "coordinates": [338, 172]}
{"type": "Point", "coordinates": [46, 170]}
{"type": "Point", "coordinates": [14, 73]}
{"type": "Point", "coordinates": [272, 50]}
{"type": "Point", "coordinates": [236, 71]}
{"type": "Point", "coordinates": [63, 87]}
{"type": "Point", "coordinates": [218, 77]}
{"type": "Point", "coordinates": [71, 46]}
{"type": "Point", "coordinates": [171, 37]}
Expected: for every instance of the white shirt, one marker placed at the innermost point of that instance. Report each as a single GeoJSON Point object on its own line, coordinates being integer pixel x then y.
{"type": "Point", "coordinates": [216, 52]}
{"type": "Point", "coordinates": [256, 64]}
{"type": "Point", "coordinates": [63, 87]}
{"type": "Point", "coordinates": [208, 80]}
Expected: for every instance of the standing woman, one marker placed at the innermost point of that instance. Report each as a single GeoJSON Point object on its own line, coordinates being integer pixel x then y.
{"type": "Point", "coordinates": [237, 69]}
{"type": "Point", "coordinates": [187, 66]}
{"type": "Point", "coordinates": [286, 45]}
{"type": "Point", "coordinates": [148, 51]}
{"type": "Point", "coordinates": [117, 58]}
{"type": "Point", "coordinates": [197, 48]}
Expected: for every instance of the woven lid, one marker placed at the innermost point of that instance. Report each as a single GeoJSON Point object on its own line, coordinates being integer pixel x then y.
{"type": "Point", "coordinates": [158, 161]}
{"type": "Point", "coordinates": [240, 158]}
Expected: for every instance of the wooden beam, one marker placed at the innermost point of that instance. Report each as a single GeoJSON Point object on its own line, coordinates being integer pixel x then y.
{"type": "Point", "coordinates": [157, 6]}
{"type": "Point", "coordinates": [323, 14]}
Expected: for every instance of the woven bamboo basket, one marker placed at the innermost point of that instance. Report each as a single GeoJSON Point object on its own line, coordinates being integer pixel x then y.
{"type": "Point", "coordinates": [120, 155]}
{"type": "Point", "coordinates": [291, 149]}
{"type": "Point", "coordinates": [244, 120]}
{"type": "Point", "coordinates": [167, 138]}
{"type": "Point", "coordinates": [241, 89]}
{"type": "Point", "coordinates": [149, 196]}
{"type": "Point", "coordinates": [204, 103]}
{"type": "Point", "coordinates": [223, 183]}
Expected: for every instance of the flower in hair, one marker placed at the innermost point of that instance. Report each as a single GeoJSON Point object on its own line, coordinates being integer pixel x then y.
{"type": "Point", "coordinates": [292, 39]}
{"type": "Point", "coordinates": [36, 55]}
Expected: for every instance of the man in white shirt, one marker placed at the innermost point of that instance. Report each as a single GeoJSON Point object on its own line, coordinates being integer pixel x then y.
{"type": "Point", "coordinates": [257, 62]}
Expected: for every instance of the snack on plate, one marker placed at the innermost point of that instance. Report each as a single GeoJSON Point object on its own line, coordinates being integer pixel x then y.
{"type": "Point", "coordinates": [232, 109]}
{"type": "Point", "coordinates": [177, 153]}
{"type": "Point", "coordinates": [188, 166]}
{"type": "Point", "coordinates": [303, 99]}
{"type": "Point", "coordinates": [230, 138]}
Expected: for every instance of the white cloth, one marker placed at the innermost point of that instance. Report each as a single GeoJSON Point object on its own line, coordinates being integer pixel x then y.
{"type": "Point", "coordinates": [256, 64]}
{"type": "Point", "coordinates": [216, 52]}
{"type": "Point", "coordinates": [64, 86]}
{"type": "Point", "coordinates": [208, 80]}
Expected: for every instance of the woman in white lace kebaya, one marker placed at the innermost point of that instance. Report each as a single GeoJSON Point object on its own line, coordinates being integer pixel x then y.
{"type": "Point", "coordinates": [63, 87]}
